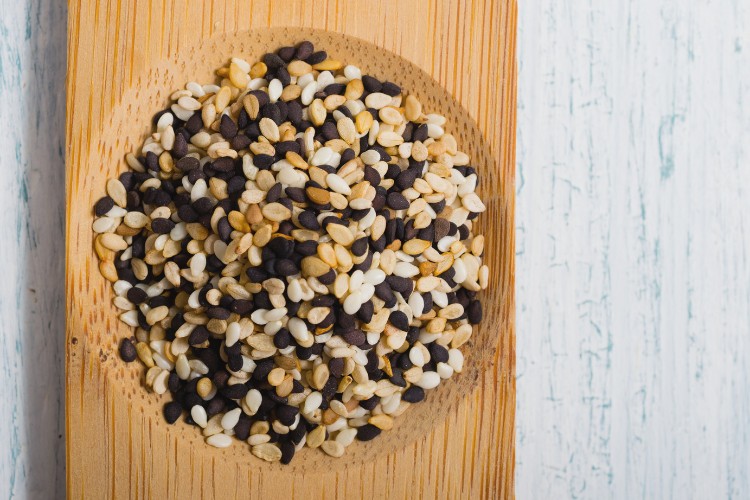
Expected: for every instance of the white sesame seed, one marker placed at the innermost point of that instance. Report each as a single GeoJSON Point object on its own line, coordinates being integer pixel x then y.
{"type": "Point", "coordinates": [345, 437]}
{"type": "Point", "coordinates": [342, 352]}
{"type": "Point", "coordinates": [230, 418]}
{"type": "Point", "coordinates": [370, 157]}
{"type": "Point", "coordinates": [405, 270]}
{"type": "Point", "coordinates": [199, 190]}
{"type": "Point", "coordinates": [180, 112]}
{"type": "Point", "coordinates": [460, 271]}
{"type": "Point", "coordinates": [296, 327]}
{"type": "Point", "coordinates": [219, 440]}
{"type": "Point", "coordinates": [130, 318]}
{"type": "Point", "coordinates": [257, 439]}
{"type": "Point", "coordinates": [416, 303]}
{"type": "Point", "coordinates": [195, 89]}
{"type": "Point", "coordinates": [472, 203]}
{"type": "Point", "coordinates": [352, 303]}
{"type": "Point", "coordinates": [377, 100]}
{"type": "Point", "coordinates": [308, 90]}
{"type": "Point", "coordinates": [294, 291]}
{"type": "Point", "coordinates": [182, 367]}
{"type": "Point", "coordinates": [415, 356]}
{"type": "Point", "coordinates": [374, 276]}
{"type": "Point", "coordinates": [275, 314]}
{"type": "Point", "coordinates": [322, 156]}
{"type": "Point", "coordinates": [257, 84]}
{"type": "Point", "coordinates": [274, 89]}
{"type": "Point", "coordinates": [198, 414]}
{"type": "Point", "coordinates": [367, 290]}
{"type": "Point", "coordinates": [428, 380]}
{"type": "Point", "coordinates": [253, 399]}
{"type": "Point", "coordinates": [439, 298]}
{"type": "Point", "coordinates": [444, 370]}
{"type": "Point", "coordinates": [337, 184]}
{"type": "Point", "coordinates": [312, 402]}
{"type": "Point", "coordinates": [456, 360]}
{"type": "Point", "coordinates": [160, 382]}
{"type": "Point", "coordinates": [121, 287]}
{"type": "Point", "coordinates": [352, 72]}
{"type": "Point", "coordinates": [259, 316]}
{"type": "Point", "coordinates": [233, 333]}
{"type": "Point", "coordinates": [325, 78]}
{"type": "Point", "coordinates": [103, 224]}
{"type": "Point", "coordinates": [356, 279]}
{"type": "Point", "coordinates": [198, 366]}
{"type": "Point", "coordinates": [197, 264]}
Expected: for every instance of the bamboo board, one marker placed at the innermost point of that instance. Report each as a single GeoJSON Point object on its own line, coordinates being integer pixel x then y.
{"type": "Point", "coordinates": [124, 58]}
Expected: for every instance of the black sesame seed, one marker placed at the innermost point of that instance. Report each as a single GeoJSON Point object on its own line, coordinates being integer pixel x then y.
{"type": "Point", "coordinates": [198, 336]}
{"type": "Point", "coordinates": [383, 292]}
{"type": "Point", "coordinates": [272, 61]}
{"type": "Point", "coordinates": [420, 133]}
{"type": "Point", "coordinates": [304, 50]}
{"type": "Point", "coordinates": [336, 367]}
{"type": "Point", "coordinates": [328, 278]}
{"type": "Point", "coordinates": [223, 164]}
{"type": "Point", "coordinates": [242, 429]}
{"type": "Point", "coordinates": [413, 333]}
{"type": "Point", "coordinates": [235, 391]}
{"type": "Point", "coordinates": [172, 412]}
{"type": "Point", "coordinates": [316, 57]}
{"type": "Point", "coordinates": [296, 434]}
{"type": "Point", "coordinates": [285, 267]}
{"type": "Point", "coordinates": [286, 53]}
{"type": "Point", "coordinates": [397, 201]}
{"type": "Point", "coordinates": [413, 394]}
{"type": "Point", "coordinates": [136, 295]}
{"type": "Point", "coordinates": [286, 414]}
{"type": "Point", "coordinates": [390, 88]}
{"type": "Point", "coordinates": [180, 147]}
{"type": "Point", "coordinates": [220, 378]}
{"type": "Point", "coordinates": [218, 313]}
{"type": "Point", "coordinates": [355, 337]}
{"type": "Point", "coordinates": [366, 311]}
{"type": "Point", "coordinates": [371, 84]}
{"type": "Point", "coordinates": [474, 313]}
{"type": "Point", "coordinates": [438, 353]}
{"type": "Point", "coordinates": [399, 320]}
{"type": "Point", "coordinates": [359, 247]}
{"type": "Point", "coordinates": [152, 161]}
{"type": "Point", "coordinates": [370, 404]}
{"type": "Point", "coordinates": [224, 229]}
{"type": "Point", "coordinates": [263, 161]}
{"type": "Point", "coordinates": [103, 206]}
{"type": "Point", "coordinates": [160, 225]}
{"type": "Point", "coordinates": [367, 432]}
{"type": "Point", "coordinates": [127, 350]}
{"type": "Point", "coordinates": [287, 452]}
{"type": "Point", "coordinates": [240, 142]}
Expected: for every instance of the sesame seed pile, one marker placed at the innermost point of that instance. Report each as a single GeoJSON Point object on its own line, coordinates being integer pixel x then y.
{"type": "Point", "coordinates": [294, 248]}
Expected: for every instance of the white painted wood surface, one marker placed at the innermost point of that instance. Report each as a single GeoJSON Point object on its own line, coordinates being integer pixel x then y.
{"type": "Point", "coordinates": [633, 249]}
{"type": "Point", "coordinates": [32, 251]}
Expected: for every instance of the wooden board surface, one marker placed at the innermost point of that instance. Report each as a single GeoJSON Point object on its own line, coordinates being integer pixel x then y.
{"type": "Point", "coordinates": [118, 446]}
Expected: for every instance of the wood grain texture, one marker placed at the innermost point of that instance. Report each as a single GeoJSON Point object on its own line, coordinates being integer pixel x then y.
{"type": "Point", "coordinates": [634, 250]}
{"type": "Point", "coordinates": [124, 59]}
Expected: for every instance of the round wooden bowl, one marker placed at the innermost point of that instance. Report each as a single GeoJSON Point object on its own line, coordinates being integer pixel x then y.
{"type": "Point", "coordinates": [125, 131]}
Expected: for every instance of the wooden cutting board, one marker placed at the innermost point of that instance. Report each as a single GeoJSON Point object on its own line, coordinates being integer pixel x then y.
{"type": "Point", "coordinates": [124, 59]}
